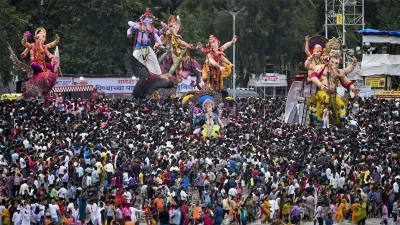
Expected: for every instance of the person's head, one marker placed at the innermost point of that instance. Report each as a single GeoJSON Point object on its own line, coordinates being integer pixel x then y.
{"type": "Point", "coordinates": [318, 50]}
{"type": "Point", "coordinates": [147, 17]}
{"type": "Point", "coordinates": [213, 41]}
{"type": "Point", "coordinates": [334, 61]}
{"type": "Point", "coordinates": [40, 35]}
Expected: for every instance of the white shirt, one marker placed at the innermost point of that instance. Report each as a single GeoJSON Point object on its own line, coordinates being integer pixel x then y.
{"type": "Point", "coordinates": [17, 218]}
{"type": "Point", "coordinates": [22, 163]}
{"type": "Point", "coordinates": [127, 195]}
{"type": "Point", "coordinates": [395, 187]}
{"type": "Point", "coordinates": [62, 192]}
{"type": "Point", "coordinates": [109, 168]}
{"type": "Point", "coordinates": [53, 210]}
{"type": "Point", "coordinates": [328, 173]}
{"type": "Point", "coordinates": [291, 189]}
{"type": "Point", "coordinates": [51, 179]}
{"type": "Point", "coordinates": [232, 192]}
{"type": "Point", "coordinates": [342, 180]}
{"type": "Point", "coordinates": [41, 213]}
{"type": "Point", "coordinates": [24, 187]}
{"type": "Point", "coordinates": [88, 180]}
{"type": "Point", "coordinates": [133, 213]}
{"type": "Point", "coordinates": [95, 211]}
{"type": "Point", "coordinates": [183, 195]}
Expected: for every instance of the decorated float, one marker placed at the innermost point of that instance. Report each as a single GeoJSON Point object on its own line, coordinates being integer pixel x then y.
{"type": "Point", "coordinates": [41, 74]}
{"type": "Point", "coordinates": [172, 65]}
{"type": "Point", "coordinates": [315, 99]}
{"type": "Point", "coordinates": [212, 100]}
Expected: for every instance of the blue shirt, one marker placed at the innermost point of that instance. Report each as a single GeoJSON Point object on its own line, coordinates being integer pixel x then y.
{"type": "Point", "coordinates": [185, 182]}
{"type": "Point", "coordinates": [176, 216]}
{"type": "Point", "coordinates": [219, 213]}
{"type": "Point", "coordinates": [296, 210]}
{"type": "Point", "coordinates": [328, 222]}
{"type": "Point", "coordinates": [232, 165]}
{"type": "Point", "coordinates": [243, 214]}
{"type": "Point", "coordinates": [207, 198]}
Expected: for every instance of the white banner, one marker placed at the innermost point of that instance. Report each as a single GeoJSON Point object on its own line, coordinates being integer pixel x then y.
{"type": "Point", "coordinates": [186, 85]}
{"type": "Point", "coordinates": [114, 85]}
{"type": "Point", "coordinates": [120, 85]}
{"type": "Point", "coordinates": [269, 78]}
{"type": "Point", "coordinates": [63, 81]}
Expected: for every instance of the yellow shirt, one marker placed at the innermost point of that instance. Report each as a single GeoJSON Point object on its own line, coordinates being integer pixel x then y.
{"type": "Point", "coordinates": [140, 178]}
{"type": "Point", "coordinates": [342, 113]}
{"type": "Point", "coordinates": [286, 208]}
{"type": "Point", "coordinates": [103, 155]}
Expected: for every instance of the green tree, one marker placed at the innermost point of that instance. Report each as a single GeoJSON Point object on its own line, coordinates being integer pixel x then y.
{"type": "Point", "coordinates": [11, 23]}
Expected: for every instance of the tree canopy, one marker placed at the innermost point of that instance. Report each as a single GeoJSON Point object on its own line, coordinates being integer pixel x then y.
{"type": "Point", "coordinates": [93, 32]}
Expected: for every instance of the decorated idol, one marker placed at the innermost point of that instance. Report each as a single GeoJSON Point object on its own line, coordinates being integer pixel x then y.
{"type": "Point", "coordinates": [144, 32]}
{"type": "Point", "coordinates": [326, 77]}
{"type": "Point", "coordinates": [41, 73]}
{"type": "Point", "coordinates": [176, 60]}
{"type": "Point", "coordinates": [217, 66]}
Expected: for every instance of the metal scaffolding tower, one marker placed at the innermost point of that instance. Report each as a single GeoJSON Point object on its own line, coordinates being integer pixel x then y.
{"type": "Point", "coordinates": [342, 14]}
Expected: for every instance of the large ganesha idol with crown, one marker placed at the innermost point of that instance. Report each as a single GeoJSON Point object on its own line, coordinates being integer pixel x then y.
{"type": "Point", "coordinates": [176, 60]}
{"type": "Point", "coordinates": [42, 75]}
{"type": "Point", "coordinates": [216, 67]}
{"type": "Point", "coordinates": [326, 77]}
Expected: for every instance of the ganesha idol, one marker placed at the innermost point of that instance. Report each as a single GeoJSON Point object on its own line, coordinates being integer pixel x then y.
{"type": "Point", "coordinates": [176, 60]}
{"type": "Point", "coordinates": [326, 77]}
{"type": "Point", "coordinates": [208, 120]}
{"type": "Point", "coordinates": [145, 32]}
{"type": "Point", "coordinates": [41, 74]}
{"type": "Point", "coordinates": [216, 67]}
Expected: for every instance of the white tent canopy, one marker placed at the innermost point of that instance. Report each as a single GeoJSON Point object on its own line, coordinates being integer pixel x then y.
{"type": "Point", "coordinates": [381, 39]}
{"type": "Point", "coordinates": [380, 64]}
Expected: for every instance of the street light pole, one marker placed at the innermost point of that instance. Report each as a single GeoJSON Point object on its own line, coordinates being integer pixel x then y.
{"type": "Point", "coordinates": [233, 14]}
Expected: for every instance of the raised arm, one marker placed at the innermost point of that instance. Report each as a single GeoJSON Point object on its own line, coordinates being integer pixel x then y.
{"type": "Point", "coordinates": [162, 30]}
{"type": "Point", "coordinates": [309, 65]}
{"type": "Point", "coordinates": [54, 43]}
{"type": "Point", "coordinates": [351, 67]}
{"type": "Point", "coordinates": [307, 46]}
{"type": "Point", "coordinates": [132, 26]}
{"type": "Point", "coordinates": [229, 44]}
{"type": "Point", "coordinates": [25, 42]}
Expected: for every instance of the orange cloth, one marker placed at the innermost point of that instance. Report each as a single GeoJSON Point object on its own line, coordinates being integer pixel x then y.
{"type": "Point", "coordinates": [196, 212]}
{"type": "Point", "coordinates": [339, 213]}
{"type": "Point", "coordinates": [47, 222]}
{"type": "Point", "coordinates": [68, 220]}
{"type": "Point", "coordinates": [160, 203]}
{"type": "Point", "coordinates": [129, 223]}
{"type": "Point", "coordinates": [354, 216]}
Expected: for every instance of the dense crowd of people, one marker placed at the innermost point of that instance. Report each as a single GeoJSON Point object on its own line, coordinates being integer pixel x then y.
{"type": "Point", "coordinates": [115, 161]}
